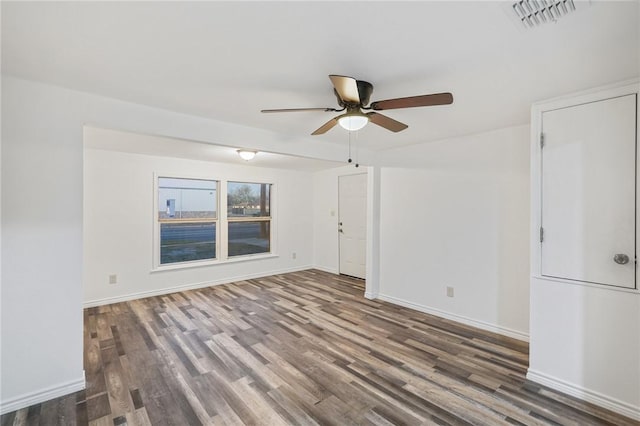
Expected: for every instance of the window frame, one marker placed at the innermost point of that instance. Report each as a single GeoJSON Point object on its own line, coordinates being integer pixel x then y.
{"type": "Point", "coordinates": [157, 223]}
{"type": "Point", "coordinates": [238, 219]}
{"type": "Point", "coordinates": [221, 222]}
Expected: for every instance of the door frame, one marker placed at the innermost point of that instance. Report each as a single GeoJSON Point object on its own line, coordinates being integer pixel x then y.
{"type": "Point", "coordinates": [372, 276]}
{"type": "Point", "coordinates": [629, 87]}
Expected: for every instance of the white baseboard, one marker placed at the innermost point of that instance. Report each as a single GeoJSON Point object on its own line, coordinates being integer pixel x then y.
{"type": "Point", "coordinates": [325, 269]}
{"type": "Point", "coordinates": [191, 286]}
{"type": "Point", "coordinates": [458, 318]}
{"type": "Point", "coordinates": [26, 400]}
{"type": "Point", "coordinates": [588, 395]}
{"type": "Point", "coordinates": [370, 295]}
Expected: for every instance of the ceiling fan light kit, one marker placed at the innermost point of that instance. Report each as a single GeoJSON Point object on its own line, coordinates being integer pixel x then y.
{"type": "Point", "coordinates": [353, 121]}
{"type": "Point", "coordinates": [353, 96]}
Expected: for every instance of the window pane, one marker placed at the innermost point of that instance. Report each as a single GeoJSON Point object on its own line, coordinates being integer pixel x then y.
{"type": "Point", "coordinates": [184, 242]}
{"type": "Point", "coordinates": [249, 238]}
{"type": "Point", "coordinates": [187, 198]}
{"type": "Point", "coordinates": [248, 199]}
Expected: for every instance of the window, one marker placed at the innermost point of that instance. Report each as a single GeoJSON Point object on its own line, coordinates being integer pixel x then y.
{"type": "Point", "coordinates": [187, 219]}
{"type": "Point", "coordinates": [190, 230]}
{"type": "Point", "coordinates": [248, 218]}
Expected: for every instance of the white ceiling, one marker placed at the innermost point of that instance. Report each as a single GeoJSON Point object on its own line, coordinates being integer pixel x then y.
{"type": "Point", "coordinates": [228, 60]}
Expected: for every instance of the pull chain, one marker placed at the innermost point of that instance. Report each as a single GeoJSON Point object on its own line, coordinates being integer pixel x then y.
{"type": "Point", "coordinates": [355, 148]}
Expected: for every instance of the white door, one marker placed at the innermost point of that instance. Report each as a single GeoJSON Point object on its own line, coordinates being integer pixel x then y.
{"type": "Point", "coordinates": [352, 224]}
{"type": "Point", "coordinates": [588, 192]}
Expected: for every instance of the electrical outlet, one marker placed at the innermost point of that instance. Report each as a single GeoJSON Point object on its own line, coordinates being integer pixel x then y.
{"type": "Point", "coordinates": [294, 255]}
{"type": "Point", "coordinates": [449, 291]}
{"type": "Point", "coordinates": [113, 279]}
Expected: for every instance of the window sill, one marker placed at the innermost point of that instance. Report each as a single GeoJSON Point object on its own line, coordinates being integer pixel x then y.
{"type": "Point", "coordinates": [207, 263]}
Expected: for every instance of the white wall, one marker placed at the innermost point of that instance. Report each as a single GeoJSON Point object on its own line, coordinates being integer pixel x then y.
{"type": "Point", "coordinates": [41, 246]}
{"type": "Point", "coordinates": [119, 220]}
{"type": "Point", "coordinates": [42, 166]}
{"type": "Point", "coordinates": [456, 213]}
{"type": "Point", "coordinates": [585, 341]}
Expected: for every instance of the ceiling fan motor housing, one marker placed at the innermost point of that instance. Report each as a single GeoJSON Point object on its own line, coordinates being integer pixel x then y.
{"type": "Point", "coordinates": [364, 90]}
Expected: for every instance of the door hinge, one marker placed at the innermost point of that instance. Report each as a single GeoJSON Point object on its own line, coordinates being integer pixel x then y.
{"type": "Point", "coordinates": [541, 234]}
{"type": "Point", "coordinates": [541, 140]}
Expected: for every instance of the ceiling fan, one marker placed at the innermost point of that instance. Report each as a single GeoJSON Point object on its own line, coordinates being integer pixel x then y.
{"type": "Point", "coordinates": [353, 96]}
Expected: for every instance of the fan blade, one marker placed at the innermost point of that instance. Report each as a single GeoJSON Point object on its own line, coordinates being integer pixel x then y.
{"type": "Point", "coordinates": [413, 101]}
{"type": "Point", "coordinates": [326, 126]}
{"type": "Point", "coordinates": [297, 110]}
{"type": "Point", "coordinates": [386, 122]}
{"type": "Point", "coordinates": [347, 88]}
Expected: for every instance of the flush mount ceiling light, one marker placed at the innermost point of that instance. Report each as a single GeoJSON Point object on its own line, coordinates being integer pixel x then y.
{"type": "Point", "coordinates": [537, 12]}
{"type": "Point", "coordinates": [353, 120]}
{"type": "Point", "coordinates": [247, 155]}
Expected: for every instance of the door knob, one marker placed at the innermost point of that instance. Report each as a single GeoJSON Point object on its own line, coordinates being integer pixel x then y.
{"type": "Point", "coordinates": [621, 259]}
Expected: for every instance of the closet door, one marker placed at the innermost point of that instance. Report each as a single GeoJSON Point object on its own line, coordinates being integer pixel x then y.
{"type": "Point", "coordinates": [589, 192]}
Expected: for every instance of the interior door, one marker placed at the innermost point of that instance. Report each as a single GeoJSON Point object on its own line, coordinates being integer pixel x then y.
{"type": "Point", "coordinates": [352, 225]}
{"type": "Point", "coordinates": [589, 192]}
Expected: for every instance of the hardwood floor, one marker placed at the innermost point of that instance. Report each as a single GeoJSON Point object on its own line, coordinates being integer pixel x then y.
{"type": "Point", "coordinates": [301, 348]}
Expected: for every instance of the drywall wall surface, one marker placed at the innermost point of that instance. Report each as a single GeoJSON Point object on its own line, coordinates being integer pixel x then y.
{"type": "Point", "coordinates": [41, 245]}
{"type": "Point", "coordinates": [585, 340]}
{"type": "Point", "coordinates": [455, 213]}
{"type": "Point", "coordinates": [119, 223]}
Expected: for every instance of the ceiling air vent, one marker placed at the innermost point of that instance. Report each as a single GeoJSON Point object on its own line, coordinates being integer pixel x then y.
{"type": "Point", "coordinates": [537, 12]}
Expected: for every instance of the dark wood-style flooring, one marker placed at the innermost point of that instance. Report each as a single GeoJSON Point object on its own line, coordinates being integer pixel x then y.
{"type": "Point", "coordinates": [301, 348]}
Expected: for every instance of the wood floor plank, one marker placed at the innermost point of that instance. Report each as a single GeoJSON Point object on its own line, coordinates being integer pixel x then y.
{"type": "Point", "coordinates": [302, 348]}
{"type": "Point", "coordinates": [296, 412]}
